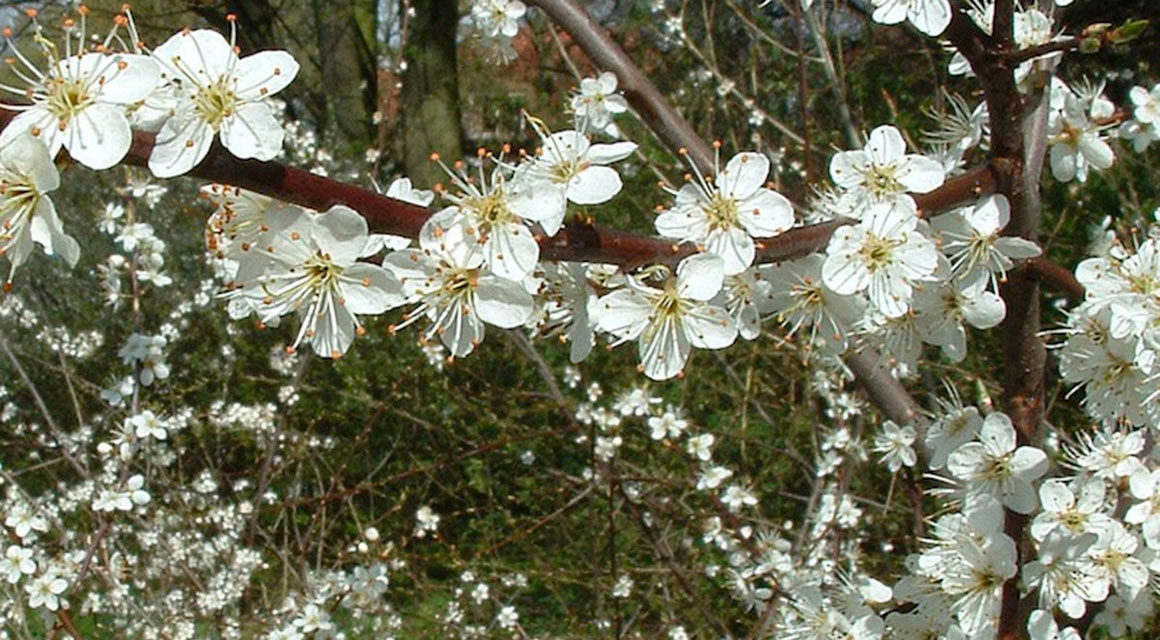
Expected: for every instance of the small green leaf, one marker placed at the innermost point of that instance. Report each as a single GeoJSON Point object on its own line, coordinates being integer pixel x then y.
{"type": "Point", "coordinates": [1130, 30]}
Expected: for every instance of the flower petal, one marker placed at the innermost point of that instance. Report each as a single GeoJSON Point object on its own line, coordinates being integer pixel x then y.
{"type": "Point", "coordinates": [370, 289]}
{"type": "Point", "coordinates": [594, 185]}
{"type": "Point", "coordinates": [265, 73]}
{"type": "Point", "coordinates": [744, 175]}
{"type": "Point", "coordinates": [253, 132]}
{"type": "Point", "coordinates": [502, 303]}
{"type": "Point", "coordinates": [99, 137]}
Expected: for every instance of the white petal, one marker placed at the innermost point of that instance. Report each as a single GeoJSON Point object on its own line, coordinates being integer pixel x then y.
{"type": "Point", "coordinates": [624, 313]}
{"type": "Point", "coordinates": [512, 251]}
{"type": "Point", "coordinates": [1096, 151]}
{"type": "Point", "coordinates": [890, 11]}
{"type": "Point", "coordinates": [39, 120]}
{"type": "Point", "coordinates": [766, 213]}
{"type": "Point", "coordinates": [332, 338]}
{"type": "Point", "coordinates": [997, 434]}
{"type": "Point", "coordinates": [848, 167]}
{"type": "Point", "coordinates": [462, 333]}
{"type": "Point", "coordinates": [341, 232]}
{"type": "Point", "coordinates": [675, 224]}
{"type": "Point", "coordinates": [700, 276]}
{"type": "Point", "coordinates": [205, 54]}
{"type": "Point", "coordinates": [1020, 497]}
{"type": "Point", "coordinates": [502, 303]}
{"type": "Point", "coordinates": [594, 185]}
{"type": "Point", "coordinates": [1055, 496]}
{"type": "Point", "coordinates": [1029, 462]}
{"type": "Point", "coordinates": [99, 137]}
{"type": "Point", "coordinates": [920, 174]}
{"type": "Point", "coordinates": [885, 146]}
{"type": "Point", "coordinates": [47, 225]}
{"type": "Point", "coordinates": [253, 132]}
{"type": "Point", "coordinates": [126, 78]}
{"type": "Point", "coordinates": [744, 175]}
{"type": "Point", "coordinates": [963, 462]}
{"type": "Point", "coordinates": [370, 289]}
{"type": "Point", "coordinates": [1017, 248]}
{"type": "Point", "coordinates": [984, 311]}
{"type": "Point", "coordinates": [27, 155]}
{"type": "Point", "coordinates": [709, 327]}
{"type": "Point", "coordinates": [609, 153]}
{"type": "Point", "coordinates": [664, 349]}
{"type": "Point", "coordinates": [734, 246]}
{"type": "Point", "coordinates": [180, 146]}
{"type": "Point", "coordinates": [265, 73]}
{"type": "Point", "coordinates": [930, 16]}
{"type": "Point", "coordinates": [1063, 162]}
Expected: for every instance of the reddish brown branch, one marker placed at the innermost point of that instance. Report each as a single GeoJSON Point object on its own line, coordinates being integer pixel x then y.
{"type": "Point", "coordinates": [1031, 53]}
{"type": "Point", "coordinates": [1017, 136]}
{"type": "Point", "coordinates": [1057, 277]}
{"type": "Point", "coordinates": [576, 241]}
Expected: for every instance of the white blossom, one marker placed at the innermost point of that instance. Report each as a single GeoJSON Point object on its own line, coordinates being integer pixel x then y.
{"type": "Point", "coordinates": [727, 213]}
{"type": "Point", "coordinates": [884, 254]}
{"type": "Point", "coordinates": [995, 467]}
{"type": "Point", "coordinates": [218, 94]}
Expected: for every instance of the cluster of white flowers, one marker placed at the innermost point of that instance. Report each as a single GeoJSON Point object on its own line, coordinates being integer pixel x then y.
{"type": "Point", "coordinates": [1112, 345]}
{"type": "Point", "coordinates": [496, 22]}
{"type": "Point", "coordinates": [1080, 120]}
{"type": "Point", "coordinates": [596, 104]}
{"type": "Point", "coordinates": [1144, 127]}
{"type": "Point", "coordinates": [891, 277]}
{"type": "Point", "coordinates": [88, 98]}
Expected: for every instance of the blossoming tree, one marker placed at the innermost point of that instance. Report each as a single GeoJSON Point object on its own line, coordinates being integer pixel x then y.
{"type": "Point", "coordinates": [158, 513]}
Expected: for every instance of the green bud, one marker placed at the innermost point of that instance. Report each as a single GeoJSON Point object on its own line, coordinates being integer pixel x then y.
{"type": "Point", "coordinates": [1097, 29]}
{"type": "Point", "coordinates": [1130, 30]}
{"type": "Point", "coordinates": [1089, 45]}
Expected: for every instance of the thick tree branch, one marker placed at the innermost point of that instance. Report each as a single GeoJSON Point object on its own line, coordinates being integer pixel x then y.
{"type": "Point", "coordinates": [1018, 147]}
{"type": "Point", "coordinates": [577, 241]}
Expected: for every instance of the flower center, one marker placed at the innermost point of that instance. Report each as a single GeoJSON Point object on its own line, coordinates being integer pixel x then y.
{"type": "Point", "coordinates": [1074, 520]}
{"type": "Point", "coordinates": [877, 252]}
{"type": "Point", "coordinates": [565, 170]}
{"type": "Point", "coordinates": [998, 468]}
{"type": "Point", "coordinates": [216, 102]}
{"type": "Point", "coordinates": [721, 211]}
{"type": "Point", "coordinates": [458, 281]}
{"type": "Point", "coordinates": [67, 97]}
{"type": "Point", "coordinates": [321, 273]}
{"type": "Point", "coordinates": [493, 211]}
{"type": "Point", "coordinates": [881, 181]}
{"type": "Point", "coordinates": [1142, 283]}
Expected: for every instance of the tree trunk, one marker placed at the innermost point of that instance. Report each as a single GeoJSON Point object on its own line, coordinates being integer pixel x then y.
{"type": "Point", "coordinates": [430, 121]}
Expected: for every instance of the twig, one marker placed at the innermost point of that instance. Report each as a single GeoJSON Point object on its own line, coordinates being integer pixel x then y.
{"type": "Point", "coordinates": [640, 92]}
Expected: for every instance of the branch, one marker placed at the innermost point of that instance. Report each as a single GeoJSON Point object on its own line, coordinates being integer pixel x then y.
{"type": "Point", "coordinates": [577, 241]}
{"type": "Point", "coordinates": [884, 389]}
{"type": "Point", "coordinates": [1018, 143]}
{"type": "Point", "coordinates": [648, 102]}
{"type": "Point", "coordinates": [1031, 53]}
{"type": "Point", "coordinates": [1056, 276]}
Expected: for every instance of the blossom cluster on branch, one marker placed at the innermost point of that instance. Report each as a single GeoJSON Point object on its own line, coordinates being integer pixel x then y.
{"type": "Point", "coordinates": [1039, 531]}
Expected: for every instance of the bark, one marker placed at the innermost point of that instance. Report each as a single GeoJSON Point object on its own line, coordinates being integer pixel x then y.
{"type": "Point", "coordinates": [430, 97]}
